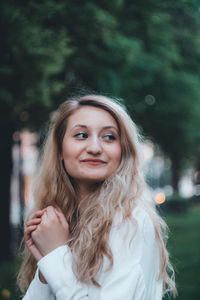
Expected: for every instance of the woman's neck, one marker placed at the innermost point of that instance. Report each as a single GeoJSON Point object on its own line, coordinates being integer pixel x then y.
{"type": "Point", "coordinates": [84, 191]}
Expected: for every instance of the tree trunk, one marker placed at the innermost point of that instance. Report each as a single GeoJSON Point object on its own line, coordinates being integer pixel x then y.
{"type": "Point", "coordinates": [6, 132]}
{"type": "Point", "coordinates": [6, 168]}
{"type": "Point", "coordinates": [175, 175]}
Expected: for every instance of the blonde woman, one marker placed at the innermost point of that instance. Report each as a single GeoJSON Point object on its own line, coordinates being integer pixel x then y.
{"type": "Point", "coordinates": [94, 233]}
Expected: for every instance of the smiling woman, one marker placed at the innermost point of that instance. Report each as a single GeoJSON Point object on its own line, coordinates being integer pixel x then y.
{"type": "Point", "coordinates": [91, 148]}
{"type": "Point", "coordinates": [94, 233]}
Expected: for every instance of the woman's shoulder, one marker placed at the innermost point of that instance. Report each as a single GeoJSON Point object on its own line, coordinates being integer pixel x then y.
{"type": "Point", "coordinates": [146, 225]}
{"type": "Point", "coordinates": [130, 237]}
{"type": "Point", "coordinates": [134, 230]}
{"type": "Point", "coordinates": [140, 217]}
{"type": "Point", "coordinates": [144, 218]}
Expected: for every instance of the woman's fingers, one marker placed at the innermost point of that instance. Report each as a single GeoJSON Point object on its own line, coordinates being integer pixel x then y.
{"type": "Point", "coordinates": [33, 225]}
{"type": "Point", "coordinates": [50, 211]}
{"type": "Point", "coordinates": [49, 215]}
{"type": "Point", "coordinates": [53, 231]}
{"type": "Point", "coordinates": [34, 222]}
{"type": "Point", "coordinates": [61, 218]}
{"type": "Point", "coordinates": [38, 213]}
{"type": "Point", "coordinates": [27, 235]}
{"type": "Point", "coordinates": [43, 215]}
{"type": "Point", "coordinates": [36, 218]}
{"type": "Point", "coordinates": [28, 231]}
{"type": "Point", "coordinates": [56, 212]}
{"type": "Point", "coordinates": [30, 243]}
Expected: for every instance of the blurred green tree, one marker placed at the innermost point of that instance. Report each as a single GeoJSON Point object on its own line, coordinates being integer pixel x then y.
{"type": "Point", "coordinates": [146, 53]}
{"type": "Point", "coordinates": [31, 54]}
{"type": "Point", "coordinates": [48, 49]}
{"type": "Point", "coordinates": [162, 86]}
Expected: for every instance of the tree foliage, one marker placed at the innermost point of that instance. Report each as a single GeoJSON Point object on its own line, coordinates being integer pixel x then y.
{"type": "Point", "coordinates": [164, 78]}
{"type": "Point", "coordinates": [144, 52]}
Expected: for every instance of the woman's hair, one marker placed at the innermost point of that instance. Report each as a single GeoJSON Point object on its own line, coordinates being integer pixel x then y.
{"type": "Point", "coordinates": [120, 192]}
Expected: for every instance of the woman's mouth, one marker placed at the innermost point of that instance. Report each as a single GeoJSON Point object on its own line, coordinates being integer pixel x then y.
{"type": "Point", "coordinates": [93, 162]}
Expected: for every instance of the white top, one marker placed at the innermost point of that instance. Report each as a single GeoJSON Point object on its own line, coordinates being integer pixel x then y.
{"type": "Point", "coordinates": [134, 275]}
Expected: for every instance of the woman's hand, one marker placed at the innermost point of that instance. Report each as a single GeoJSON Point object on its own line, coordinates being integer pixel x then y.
{"type": "Point", "coordinates": [52, 231]}
{"type": "Point", "coordinates": [30, 227]}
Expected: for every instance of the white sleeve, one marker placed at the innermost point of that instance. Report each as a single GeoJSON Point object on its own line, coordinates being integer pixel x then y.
{"type": "Point", "coordinates": [56, 267]}
{"type": "Point", "coordinates": [132, 277]}
{"type": "Point", "coordinates": [150, 259]}
{"type": "Point", "coordinates": [38, 290]}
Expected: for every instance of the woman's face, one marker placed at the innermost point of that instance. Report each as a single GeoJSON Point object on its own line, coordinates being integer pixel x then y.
{"type": "Point", "coordinates": [91, 147]}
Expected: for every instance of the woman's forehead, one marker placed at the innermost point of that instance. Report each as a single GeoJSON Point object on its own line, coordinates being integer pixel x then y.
{"type": "Point", "coordinates": [91, 116]}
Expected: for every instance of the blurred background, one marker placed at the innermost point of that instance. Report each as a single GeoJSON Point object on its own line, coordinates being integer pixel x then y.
{"type": "Point", "coordinates": [144, 52]}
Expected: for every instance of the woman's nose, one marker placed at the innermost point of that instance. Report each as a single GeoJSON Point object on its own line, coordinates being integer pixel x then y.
{"type": "Point", "coordinates": [94, 145]}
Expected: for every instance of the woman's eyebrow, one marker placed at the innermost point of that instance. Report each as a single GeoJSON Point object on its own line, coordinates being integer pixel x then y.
{"type": "Point", "coordinates": [103, 128]}
{"type": "Point", "coordinates": [79, 125]}
{"type": "Point", "coordinates": [110, 127]}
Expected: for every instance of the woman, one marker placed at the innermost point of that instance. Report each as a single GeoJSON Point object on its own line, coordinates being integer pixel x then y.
{"type": "Point", "coordinates": [94, 233]}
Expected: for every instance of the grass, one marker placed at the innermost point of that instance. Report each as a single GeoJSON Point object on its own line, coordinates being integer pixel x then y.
{"type": "Point", "coordinates": [8, 286]}
{"type": "Point", "coordinates": [183, 245]}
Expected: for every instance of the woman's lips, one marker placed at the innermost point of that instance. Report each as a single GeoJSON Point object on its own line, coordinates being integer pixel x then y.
{"type": "Point", "coordinates": [93, 162]}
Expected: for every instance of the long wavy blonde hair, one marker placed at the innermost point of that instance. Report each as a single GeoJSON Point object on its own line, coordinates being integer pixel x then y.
{"type": "Point", "coordinates": [122, 191]}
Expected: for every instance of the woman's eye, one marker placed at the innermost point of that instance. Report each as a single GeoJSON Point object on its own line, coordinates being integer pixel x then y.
{"type": "Point", "coordinates": [109, 137]}
{"type": "Point", "coordinates": [81, 135]}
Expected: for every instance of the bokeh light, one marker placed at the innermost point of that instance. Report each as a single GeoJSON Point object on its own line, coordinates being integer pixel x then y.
{"type": "Point", "coordinates": [160, 198]}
